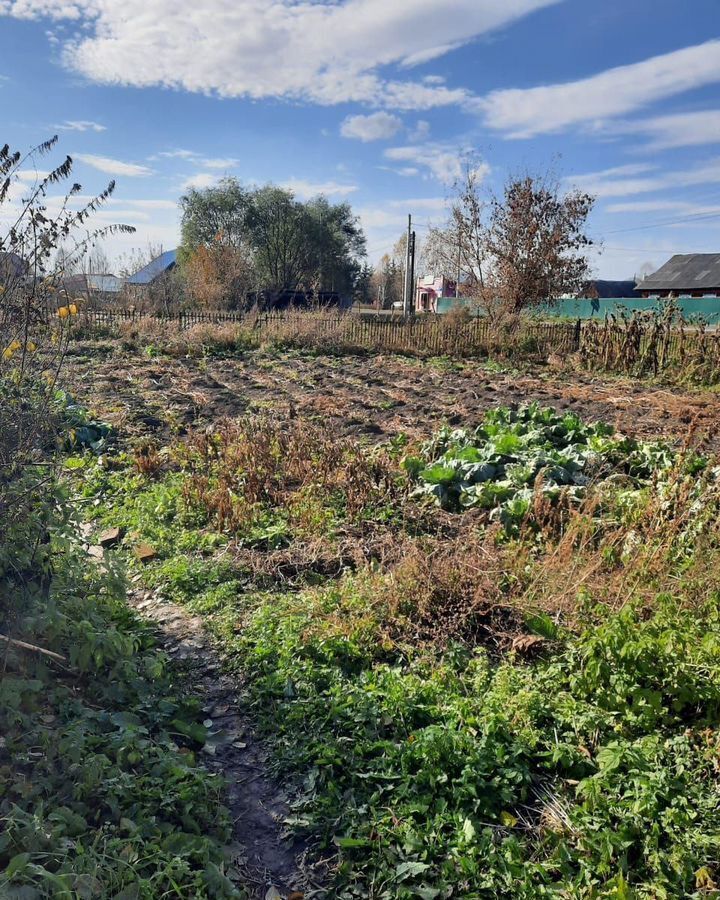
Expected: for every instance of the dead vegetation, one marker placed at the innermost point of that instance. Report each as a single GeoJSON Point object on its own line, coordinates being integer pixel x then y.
{"type": "Point", "coordinates": [239, 468]}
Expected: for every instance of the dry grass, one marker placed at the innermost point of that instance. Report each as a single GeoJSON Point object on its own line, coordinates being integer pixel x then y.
{"type": "Point", "coordinates": [241, 468]}
{"type": "Point", "coordinates": [615, 558]}
{"type": "Point", "coordinates": [198, 340]}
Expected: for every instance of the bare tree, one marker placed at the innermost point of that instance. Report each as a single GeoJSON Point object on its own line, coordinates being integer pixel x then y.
{"type": "Point", "coordinates": [517, 250]}
{"type": "Point", "coordinates": [536, 243]}
{"type": "Point", "coordinates": [458, 249]}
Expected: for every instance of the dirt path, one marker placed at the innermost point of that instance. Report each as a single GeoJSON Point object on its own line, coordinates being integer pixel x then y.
{"type": "Point", "coordinates": [271, 864]}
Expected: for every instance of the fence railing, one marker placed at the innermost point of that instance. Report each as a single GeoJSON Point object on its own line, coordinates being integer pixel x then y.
{"type": "Point", "coordinates": [634, 345]}
{"type": "Point", "coordinates": [424, 335]}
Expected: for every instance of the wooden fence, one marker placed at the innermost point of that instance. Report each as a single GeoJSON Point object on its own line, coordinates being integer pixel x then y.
{"type": "Point", "coordinates": [634, 344]}
{"type": "Point", "coordinates": [421, 335]}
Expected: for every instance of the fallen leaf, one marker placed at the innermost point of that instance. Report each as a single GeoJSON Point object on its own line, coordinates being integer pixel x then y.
{"type": "Point", "coordinates": [145, 553]}
{"type": "Point", "coordinates": [524, 642]}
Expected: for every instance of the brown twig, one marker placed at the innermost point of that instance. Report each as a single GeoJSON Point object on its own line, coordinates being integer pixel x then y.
{"type": "Point", "coordinates": [33, 648]}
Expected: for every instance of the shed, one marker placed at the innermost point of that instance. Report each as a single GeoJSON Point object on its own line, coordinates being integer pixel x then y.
{"type": "Point", "coordinates": [12, 266]}
{"type": "Point", "coordinates": [685, 275]}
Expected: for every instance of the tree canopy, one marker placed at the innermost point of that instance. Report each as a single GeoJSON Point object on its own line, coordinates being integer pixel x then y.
{"type": "Point", "coordinates": [285, 244]}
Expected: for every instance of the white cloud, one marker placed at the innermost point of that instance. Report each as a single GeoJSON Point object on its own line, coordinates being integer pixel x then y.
{"type": "Point", "coordinates": [615, 92]}
{"type": "Point", "coordinates": [306, 189]}
{"type": "Point", "coordinates": [324, 52]}
{"type": "Point", "coordinates": [199, 181]}
{"type": "Point", "coordinates": [112, 166]}
{"type": "Point", "coordinates": [80, 125]}
{"type": "Point", "coordinates": [151, 204]}
{"type": "Point", "coordinates": [175, 154]}
{"type": "Point", "coordinates": [223, 162]}
{"type": "Point", "coordinates": [688, 129]}
{"type": "Point", "coordinates": [420, 132]}
{"type": "Point", "coordinates": [429, 204]}
{"type": "Point", "coordinates": [430, 53]}
{"type": "Point", "coordinates": [677, 207]}
{"type": "Point", "coordinates": [443, 163]}
{"type": "Point", "coordinates": [619, 182]}
{"type": "Point", "coordinates": [31, 175]}
{"type": "Point", "coordinates": [379, 126]}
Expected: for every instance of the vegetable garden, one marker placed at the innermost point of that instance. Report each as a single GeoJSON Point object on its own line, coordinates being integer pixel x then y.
{"type": "Point", "coordinates": [483, 657]}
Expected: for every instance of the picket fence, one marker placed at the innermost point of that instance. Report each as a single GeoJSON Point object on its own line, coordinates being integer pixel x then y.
{"type": "Point", "coordinates": [636, 344]}
{"type": "Point", "coordinates": [438, 335]}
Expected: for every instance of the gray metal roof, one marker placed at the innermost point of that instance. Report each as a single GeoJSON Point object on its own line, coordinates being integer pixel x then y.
{"type": "Point", "coordinates": [685, 272]}
{"type": "Point", "coordinates": [105, 284]}
{"type": "Point", "coordinates": [154, 269]}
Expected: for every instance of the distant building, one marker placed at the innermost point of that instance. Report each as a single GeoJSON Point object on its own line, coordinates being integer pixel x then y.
{"type": "Point", "coordinates": [604, 290]}
{"type": "Point", "coordinates": [160, 266]}
{"type": "Point", "coordinates": [431, 288]}
{"type": "Point", "coordinates": [684, 275]}
{"type": "Point", "coordinates": [105, 284]}
{"type": "Point", "coordinates": [93, 285]}
{"type": "Point", "coordinates": [12, 266]}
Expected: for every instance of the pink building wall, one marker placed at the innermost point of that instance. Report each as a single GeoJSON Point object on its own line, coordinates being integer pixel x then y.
{"type": "Point", "coordinates": [430, 288]}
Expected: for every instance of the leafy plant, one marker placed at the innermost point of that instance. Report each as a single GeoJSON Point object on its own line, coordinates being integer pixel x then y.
{"type": "Point", "coordinates": [515, 455]}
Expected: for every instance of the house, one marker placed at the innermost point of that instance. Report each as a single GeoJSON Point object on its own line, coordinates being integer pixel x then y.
{"type": "Point", "coordinates": [684, 275]}
{"type": "Point", "coordinates": [93, 284]}
{"type": "Point", "coordinates": [431, 288]}
{"type": "Point", "coordinates": [105, 283]}
{"type": "Point", "coordinates": [160, 266]}
{"type": "Point", "coordinates": [12, 266]}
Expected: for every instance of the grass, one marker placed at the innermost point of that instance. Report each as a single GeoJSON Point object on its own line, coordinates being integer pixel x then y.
{"type": "Point", "coordinates": [463, 711]}
{"type": "Point", "coordinates": [101, 794]}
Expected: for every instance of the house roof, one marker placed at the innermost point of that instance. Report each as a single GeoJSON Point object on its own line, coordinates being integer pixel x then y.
{"type": "Point", "coordinates": [106, 283]}
{"type": "Point", "coordinates": [12, 265]}
{"type": "Point", "coordinates": [609, 289]}
{"type": "Point", "coordinates": [154, 269]}
{"type": "Point", "coordinates": [685, 271]}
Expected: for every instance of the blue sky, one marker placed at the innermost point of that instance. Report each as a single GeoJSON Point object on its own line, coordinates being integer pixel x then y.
{"type": "Point", "coordinates": [376, 101]}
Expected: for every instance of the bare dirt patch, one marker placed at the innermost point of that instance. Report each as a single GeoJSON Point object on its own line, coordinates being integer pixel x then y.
{"type": "Point", "coordinates": [372, 398]}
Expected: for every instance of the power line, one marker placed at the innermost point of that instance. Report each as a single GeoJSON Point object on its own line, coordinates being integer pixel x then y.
{"type": "Point", "coordinates": [694, 218]}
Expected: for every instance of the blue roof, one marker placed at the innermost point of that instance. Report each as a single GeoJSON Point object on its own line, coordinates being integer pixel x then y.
{"type": "Point", "coordinates": [154, 269]}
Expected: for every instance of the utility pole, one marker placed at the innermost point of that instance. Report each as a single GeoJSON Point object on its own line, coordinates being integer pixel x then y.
{"type": "Point", "coordinates": [457, 274]}
{"type": "Point", "coordinates": [412, 273]}
{"type": "Point", "coordinates": [407, 285]}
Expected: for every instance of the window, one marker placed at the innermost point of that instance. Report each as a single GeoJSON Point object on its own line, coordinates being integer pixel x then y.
{"type": "Point", "coordinates": [701, 275]}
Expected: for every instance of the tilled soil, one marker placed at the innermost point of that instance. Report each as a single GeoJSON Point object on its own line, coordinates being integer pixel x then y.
{"type": "Point", "coordinates": [373, 398]}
